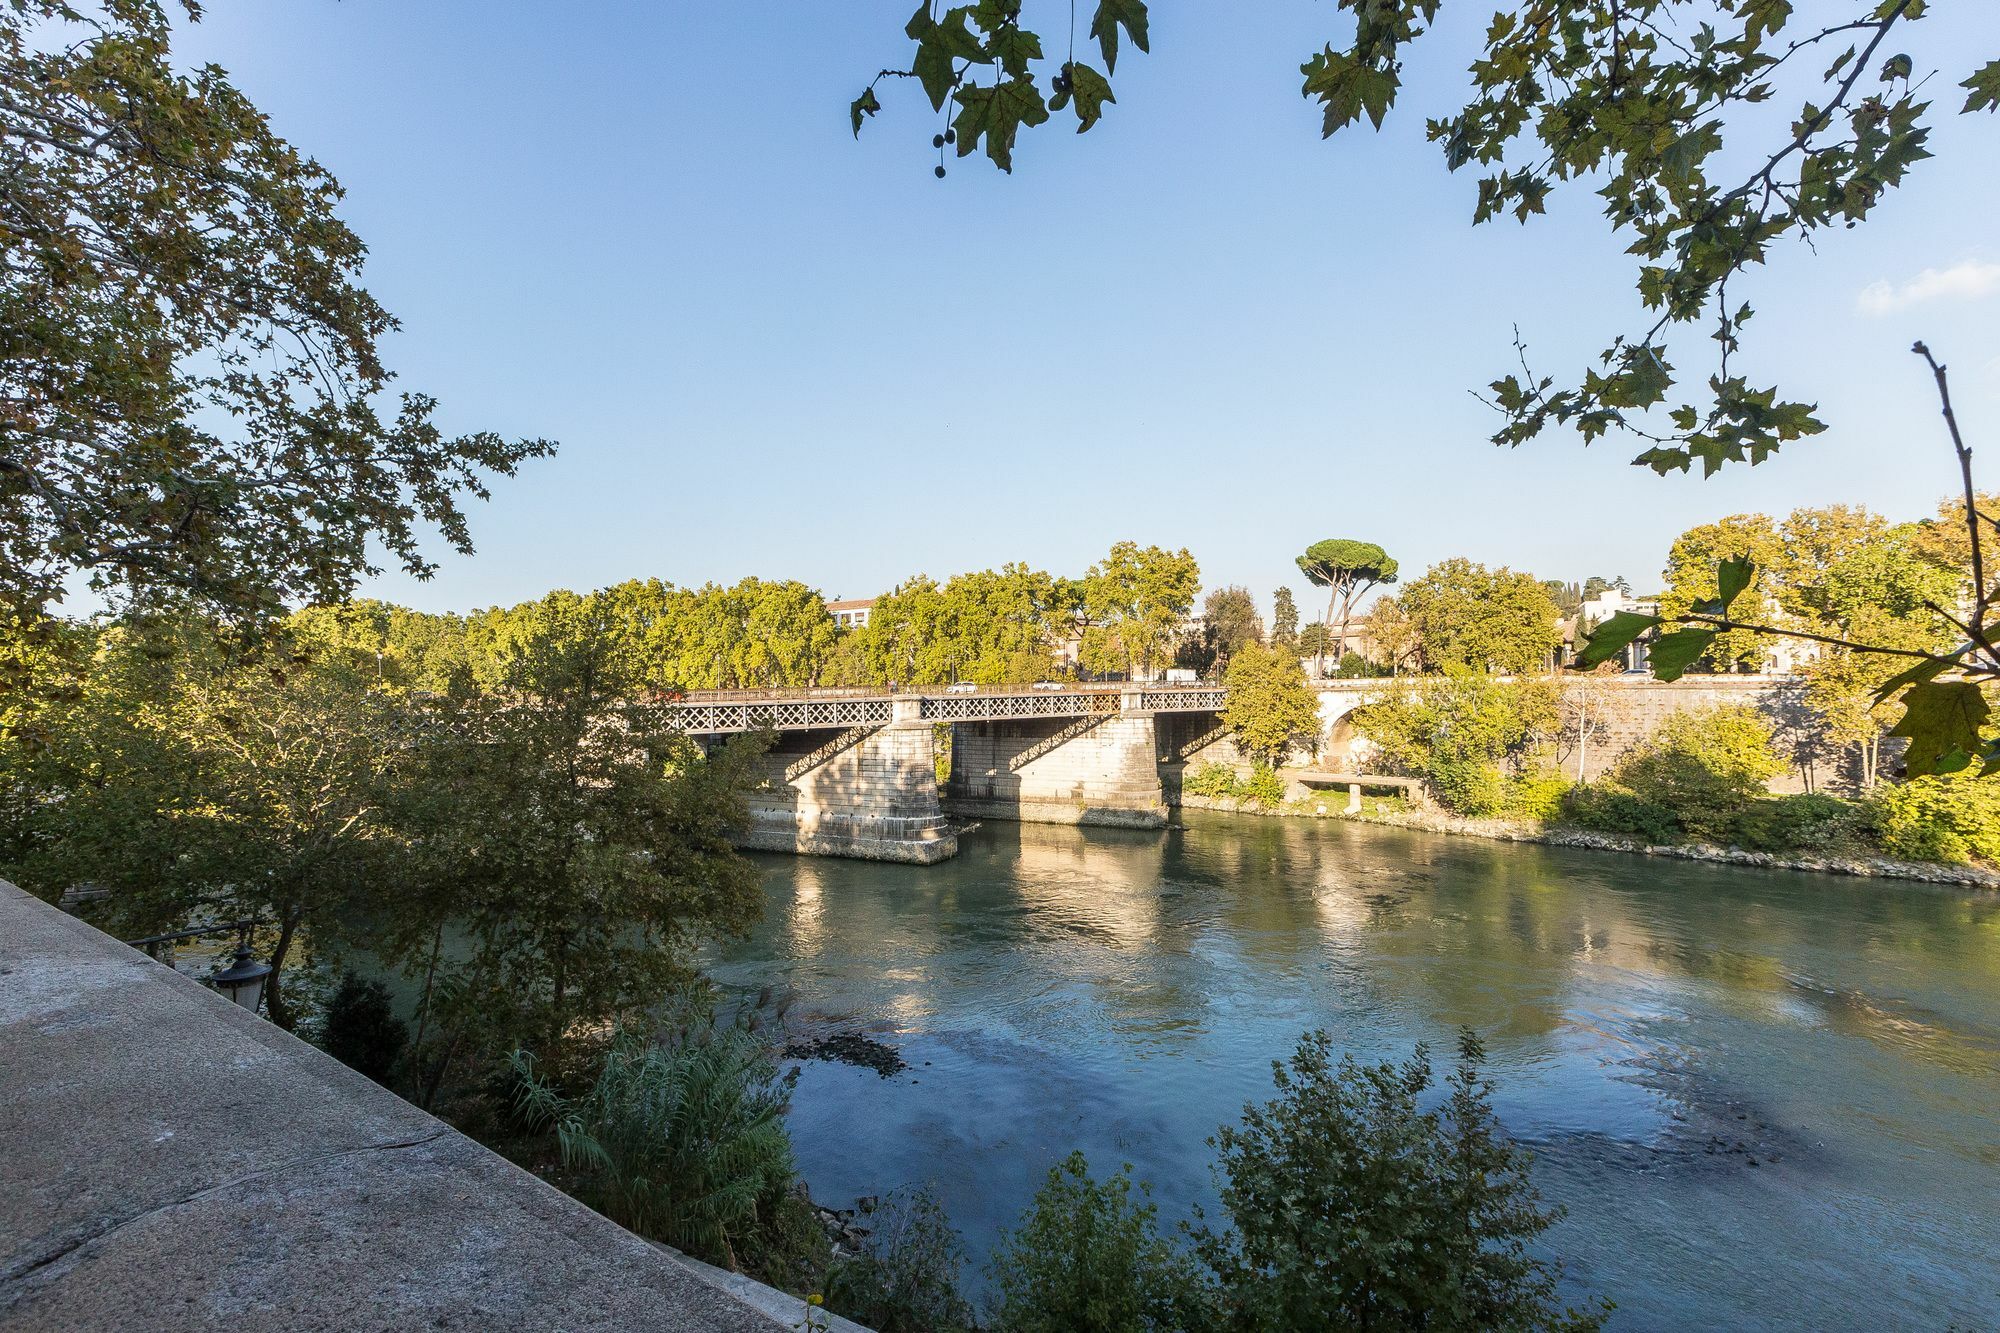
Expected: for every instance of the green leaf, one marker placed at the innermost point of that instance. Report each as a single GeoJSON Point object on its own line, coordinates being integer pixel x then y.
{"type": "Point", "coordinates": [1732, 576]}
{"type": "Point", "coordinates": [1672, 654]}
{"type": "Point", "coordinates": [1091, 91]}
{"type": "Point", "coordinates": [1014, 48]}
{"type": "Point", "coordinates": [1111, 14]}
{"type": "Point", "coordinates": [1985, 88]}
{"type": "Point", "coordinates": [1612, 637]}
{"type": "Point", "coordinates": [1916, 675]}
{"type": "Point", "coordinates": [865, 105]}
{"type": "Point", "coordinates": [997, 113]}
{"type": "Point", "coordinates": [1953, 760]}
{"type": "Point", "coordinates": [1938, 718]}
{"type": "Point", "coordinates": [940, 46]}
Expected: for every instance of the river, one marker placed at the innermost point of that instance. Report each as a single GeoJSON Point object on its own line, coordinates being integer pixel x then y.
{"type": "Point", "coordinates": [1765, 1098]}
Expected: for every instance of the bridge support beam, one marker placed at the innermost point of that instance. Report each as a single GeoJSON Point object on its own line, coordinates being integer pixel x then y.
{"type": "Point", "coordinates": [865, 793]}
{"type": "Point", "coordinates": [1100, 770]}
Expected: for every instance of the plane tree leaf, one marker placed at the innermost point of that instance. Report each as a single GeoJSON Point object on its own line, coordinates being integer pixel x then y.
{"type": "Point", "coordinates": [1672, 654]}
{"type": "Point", "coordinates": [1613, 637]}
{"type": "Point", "coordinates": [1939, 718]}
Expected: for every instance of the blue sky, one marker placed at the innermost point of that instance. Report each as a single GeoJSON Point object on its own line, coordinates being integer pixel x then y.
{"type": "Point", "coordinates": [645, 231]}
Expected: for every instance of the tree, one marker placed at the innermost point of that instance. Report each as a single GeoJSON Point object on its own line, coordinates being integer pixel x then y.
{"type": "Point", "coordinates": [1596, 586]}
{"type": "Point", "coordinates": [1692, 578]}
{"type": "Point", "coordinates": [578, 850]}
{"type": "Point", "coordinates": [193, 388]}
{"type": "Point", "coordinates": [1637, 96]}
{"type": "Point", "coordinates": [361, 1029]}
{"type": "Point", "coordinates": [1284, 619]}
{"type": "Point", "coordinates": [1346, 569]}
{"type": "Point", "coordinates": [1135, 601]}
{"type": "Point", "coordinates": [1354, 1207]}
{"type": "Point", "coordinates": [991, 627]}
{"type": "Point", "coordinates": [904, 1278]}
{"type": "Point", "coordinates": [192, 775]}
{"type": "Point", "coordinates": [1588, 703]}
{"type": "Point", "coordinates": [1314, 642]}
{"type": "Point", "coordinates": [1086, 1258]}
{"type": "Point", "coordinates": [1466, 615]}
{"type": "Point", "coordinates": [1463, 733]}
{"type": "Point", "coordinates": [1942, 689]}
{"type": "Point", "coordinates": [1271, 710]}
{"type": "Point", "coordinates": [1392, 632]}
{"type": "Point", "coordinates": [1230, 622]}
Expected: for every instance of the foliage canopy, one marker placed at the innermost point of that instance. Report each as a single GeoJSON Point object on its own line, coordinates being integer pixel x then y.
{"type": "Point", "coordinates": [194, 400]}
{"type": "Point", "coordinates": [1658, 104]}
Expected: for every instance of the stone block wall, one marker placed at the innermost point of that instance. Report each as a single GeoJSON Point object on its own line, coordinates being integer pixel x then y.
{"type": "Point", "coordinates": [875, 797]}
{"type": "Point", "coordinates": [1634, 707]}
{"type": "Point", "coordinates": [1101, 771]}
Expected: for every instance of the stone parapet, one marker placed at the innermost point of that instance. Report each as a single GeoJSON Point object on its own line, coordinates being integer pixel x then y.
{"type": "Point", "coordinates": [175, 1163]}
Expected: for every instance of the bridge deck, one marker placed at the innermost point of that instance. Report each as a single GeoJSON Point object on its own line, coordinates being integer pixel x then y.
{"type": "Point", "coordinates": [716, 712]}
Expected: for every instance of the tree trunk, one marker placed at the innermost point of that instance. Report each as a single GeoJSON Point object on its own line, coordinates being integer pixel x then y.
{"type": "Point", "coordinates": [274, 993]}
{"type": "Point", "coordinates": [430, 979]}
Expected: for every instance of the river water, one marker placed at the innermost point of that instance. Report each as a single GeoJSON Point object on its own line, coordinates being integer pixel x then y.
{"type": "Point", "coordinates": [1766, 1099]}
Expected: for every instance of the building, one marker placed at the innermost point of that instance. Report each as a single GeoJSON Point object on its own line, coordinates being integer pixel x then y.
{"type": "Point", "coordinates": [851, 614]}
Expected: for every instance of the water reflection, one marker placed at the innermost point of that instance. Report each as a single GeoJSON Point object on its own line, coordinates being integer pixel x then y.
{"type": "Point", "coordinates": [1712, 1061]}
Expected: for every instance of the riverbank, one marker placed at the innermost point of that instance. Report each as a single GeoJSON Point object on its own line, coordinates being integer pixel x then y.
{"type": "Point", "coordinates": [1559, 835]}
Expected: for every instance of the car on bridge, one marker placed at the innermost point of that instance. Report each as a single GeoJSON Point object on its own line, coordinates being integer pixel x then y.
{"type": "Point", "coordinates": [1048, 685]}
{"type": "Point", "coordinates": [961, 687]}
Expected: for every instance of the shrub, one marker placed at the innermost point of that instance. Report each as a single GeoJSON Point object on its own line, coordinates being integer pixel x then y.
{"type": "Point", "coordinates": [1536, 794]}
{"type": "Point", "coordinates": [681, 1138]}
{"type": "Point", "coordinates": [1469, 787]}
{"type": "Point", "coordinates": [1219, 782]}
{"type": "Point", "coordinates": [1354, 1207]}
{"type": "Point", "coordinates": [1954, 819]}
{"type": "Point", "coordinates": [1704, 765]}
{"type": "Point", "coordinates": [905, 1280]}
{"type": "Point", "coordinates": [1810, 821]}
{"type": "Point", "coordinates": [1610, 809]}
{"type": "Point", "coordinates": [1212, 780]}
{"type": "Point", "coordinates": [1086, 1258]}
{"type": "Point", "coordinates": [1460, 733]}
{"type": "Point", "coordinates": [361, 1030]}
{"type": "Point", "coordinates": [1263, 788]}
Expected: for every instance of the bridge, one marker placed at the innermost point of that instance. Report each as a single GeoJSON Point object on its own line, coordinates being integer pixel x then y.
{"type": "Point", "coordinates": [858, 772]}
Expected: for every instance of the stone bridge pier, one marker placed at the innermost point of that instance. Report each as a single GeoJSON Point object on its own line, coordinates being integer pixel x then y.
{"type": "Point", "coordinates": [1100, 769]}
{"type": "Point", "coordinates": [868, 790]}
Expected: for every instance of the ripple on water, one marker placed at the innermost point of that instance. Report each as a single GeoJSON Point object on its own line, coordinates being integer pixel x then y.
{"type": "Point", "coordinates": [1653, 1027]}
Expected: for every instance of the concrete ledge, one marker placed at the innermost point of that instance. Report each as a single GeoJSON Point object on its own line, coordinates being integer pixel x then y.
{"type": "Point", "coordinates": [173, 1162]}
{"type": "Point", "coordinates": [1054, 810]}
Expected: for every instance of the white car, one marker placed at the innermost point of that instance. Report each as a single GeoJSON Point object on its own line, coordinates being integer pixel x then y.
{"type": "Point", "coordinates": [961, 687]}
{"type": "Point", "coordinates": [1048, 685]}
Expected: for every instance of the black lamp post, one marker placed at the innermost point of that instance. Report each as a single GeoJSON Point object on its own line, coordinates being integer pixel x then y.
{"type": "Point", "coordinates": [243, 980]}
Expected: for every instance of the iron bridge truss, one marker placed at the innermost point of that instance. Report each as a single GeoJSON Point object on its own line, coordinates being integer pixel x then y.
{"type": "Point", "coordinates": [717, 717]}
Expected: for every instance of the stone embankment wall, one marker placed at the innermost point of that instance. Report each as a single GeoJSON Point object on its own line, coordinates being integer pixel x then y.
{"type": "Point", "coordinates": [1632, 708]}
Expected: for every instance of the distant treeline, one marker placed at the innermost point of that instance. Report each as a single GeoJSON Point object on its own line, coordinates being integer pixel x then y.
{"type": "Point", "coordinates": [992, 626]}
